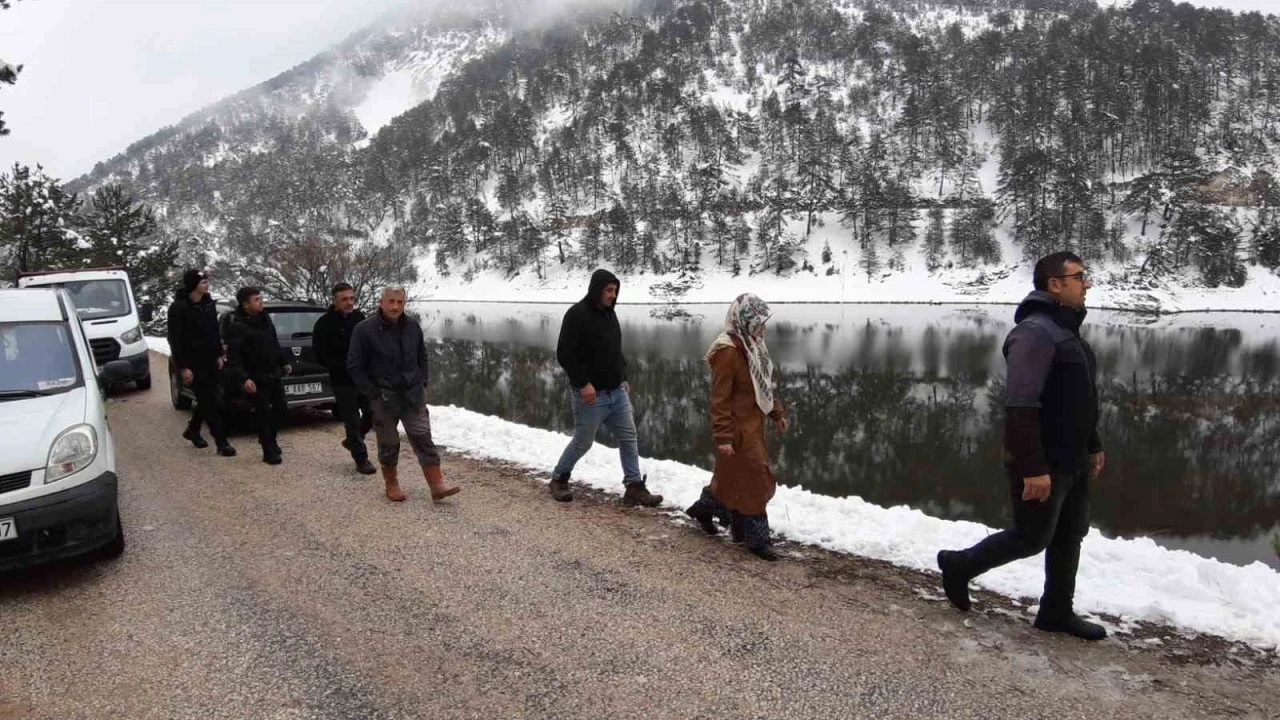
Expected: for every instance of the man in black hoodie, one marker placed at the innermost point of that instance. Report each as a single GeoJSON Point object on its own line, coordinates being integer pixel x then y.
{"type": "Point", "coordinates": [256, 365]}
{"type": "Point", "coordinates": [1052, 448]}
{"type": "Point", "coordinates": [331, 340]}
{"type": "Point", "coordinates": [590, 351]}
{"type": "Point", "coordinates": [196, 348]}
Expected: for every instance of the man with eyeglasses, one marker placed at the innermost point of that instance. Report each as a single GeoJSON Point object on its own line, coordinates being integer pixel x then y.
{"type": "Point", "coordinates": [1052, 448]}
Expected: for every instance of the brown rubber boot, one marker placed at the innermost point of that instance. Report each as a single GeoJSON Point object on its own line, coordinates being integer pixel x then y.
{"type": "Point", "coordinates": [435, 481]}
{"type": "Point", "coordinates": [393, 484]}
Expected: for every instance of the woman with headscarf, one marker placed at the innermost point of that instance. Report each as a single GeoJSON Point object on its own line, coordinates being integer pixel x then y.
{"type": "Point", "coordinates": [742, 396]}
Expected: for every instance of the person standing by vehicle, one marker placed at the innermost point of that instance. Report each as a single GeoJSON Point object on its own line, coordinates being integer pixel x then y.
{"type": "Point", "coordinates": [196, 348]}
{"type": "Point", "coordinates": [590, 351]}
{"type": "Point", "coordinates": [256, 365]}
{"type": "Point", "coordinates": [387, 362]}
{"type": "Point", "coordinates": [331, 341]}
{"type": "Point", "coordinates": [1052, 448]}
{"type": "Point", "coordinates": [742, 396]}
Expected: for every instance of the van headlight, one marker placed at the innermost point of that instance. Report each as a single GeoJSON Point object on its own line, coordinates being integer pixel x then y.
{"type": "Point", "coordinates": [132, 336]}
{"type": "Point", "coordinates": [72, 452]}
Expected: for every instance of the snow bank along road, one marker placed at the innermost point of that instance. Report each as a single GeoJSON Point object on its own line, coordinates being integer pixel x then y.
{"type": "Point", "coordinates": [298, 591]}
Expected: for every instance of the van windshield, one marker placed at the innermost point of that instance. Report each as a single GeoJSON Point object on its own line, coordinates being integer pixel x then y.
{"type": "Point", "coordinates": [38, 358]}
{"type": "Point", "coordinates": [294, 323]}
{"type": "Point", "coordinates": [98, 299]}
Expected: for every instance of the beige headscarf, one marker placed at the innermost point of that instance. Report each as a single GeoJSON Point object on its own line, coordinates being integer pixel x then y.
{"type": "Point", "coordinates": [747, 313]}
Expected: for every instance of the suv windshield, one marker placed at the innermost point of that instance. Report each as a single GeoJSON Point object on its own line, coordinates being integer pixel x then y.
{"type": "Point", "coordinates": [294, 323]}
{"type": "Point", "coordinates": [38, 359]}
{"type": "Point", "coordinates": [97, 299]}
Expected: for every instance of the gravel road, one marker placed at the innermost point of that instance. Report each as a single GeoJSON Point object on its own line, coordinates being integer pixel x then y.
{"type": "Point", "coordinates": [295, 592]}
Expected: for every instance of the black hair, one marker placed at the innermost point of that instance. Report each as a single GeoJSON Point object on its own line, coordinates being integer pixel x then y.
{"type": "Point", "coordinates": [244, 293]}
{"type": "Point", "coordinates": [1052, 266]}
{"type": "Point", "coordinates": [340, 287]}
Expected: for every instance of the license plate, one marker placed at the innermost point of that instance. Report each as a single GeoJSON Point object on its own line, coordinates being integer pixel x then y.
{"type": "Point", "coordinates": [8, 529]}
{"type": "Point", "coordinates": [303, 389]}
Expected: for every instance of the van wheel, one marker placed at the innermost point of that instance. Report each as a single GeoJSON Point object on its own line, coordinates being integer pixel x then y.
{"type": "Point", "coordinates": [180, 402]}
{"type": "Point", "coordinates": [115, 548]}
{"type": "Point", "coordinates": [144, 383]}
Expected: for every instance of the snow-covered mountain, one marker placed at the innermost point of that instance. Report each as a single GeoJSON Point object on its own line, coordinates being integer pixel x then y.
{"type": "Point", "coordinates": [809, 150]}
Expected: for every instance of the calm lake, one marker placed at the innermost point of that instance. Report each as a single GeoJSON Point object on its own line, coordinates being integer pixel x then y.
{"type": "Point", "coordinates": [904, 405]}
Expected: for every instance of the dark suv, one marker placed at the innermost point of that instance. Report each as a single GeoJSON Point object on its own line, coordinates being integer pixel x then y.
{"type": "Point", "coordinates": [308, 384]}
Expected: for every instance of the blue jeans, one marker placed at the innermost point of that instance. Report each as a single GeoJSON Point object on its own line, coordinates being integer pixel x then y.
{"type": "Point", "coordinates": [612, 408]}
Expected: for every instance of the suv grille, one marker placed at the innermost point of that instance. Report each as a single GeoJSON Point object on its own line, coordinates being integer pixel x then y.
{"type": "Point", "coordinates": [16, 481]}
{"type": "Point", "coordinates": [104, 350]}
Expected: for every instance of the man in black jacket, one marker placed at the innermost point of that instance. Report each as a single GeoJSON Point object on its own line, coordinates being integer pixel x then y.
{"type": "Point", "coordinates": [330, 340]}
{"type": "Point", "coordinates": [196, 348]}
{"type": "Point", "coordinates": [388, 363]}
{"type": "Point", "coordinates": [590, 351]}
{"type": "Point", "coordinates": [256, 365]}
{"type": "Point", "coordinates": [1052, 448]}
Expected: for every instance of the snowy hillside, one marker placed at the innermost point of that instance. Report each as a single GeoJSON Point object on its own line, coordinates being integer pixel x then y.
{"type": "Point", "coordinates": [811, 150]}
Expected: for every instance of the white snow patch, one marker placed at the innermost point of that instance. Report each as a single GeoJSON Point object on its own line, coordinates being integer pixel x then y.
{"type": "Point", "coordinates": [158, 344]}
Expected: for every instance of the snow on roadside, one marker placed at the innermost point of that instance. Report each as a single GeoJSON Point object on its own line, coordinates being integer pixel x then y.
{"type": "Point", "coordinates": [158, 344]}
{"type": "Point", "coordinates": [1133, 579]}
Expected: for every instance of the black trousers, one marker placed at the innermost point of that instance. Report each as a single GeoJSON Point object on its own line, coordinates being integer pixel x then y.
{"type": "Point", "coordinates": [204, 383]}
{"type": "Point", "coordinates": [269, 410]}
{"type": "Point", "coordinates": [357, 419]}
{"type": "Point", "coordinates": [1055, 526]}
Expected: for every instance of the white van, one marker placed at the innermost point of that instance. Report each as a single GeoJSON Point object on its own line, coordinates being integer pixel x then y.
{"type": "Point", "coordinates": [104, 300]}
{"type": "Point", "coordinates": [57, 458]}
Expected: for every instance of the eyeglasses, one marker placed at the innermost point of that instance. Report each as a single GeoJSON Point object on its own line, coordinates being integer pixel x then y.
{"type": "Point", "coordinates": [1079, 275]}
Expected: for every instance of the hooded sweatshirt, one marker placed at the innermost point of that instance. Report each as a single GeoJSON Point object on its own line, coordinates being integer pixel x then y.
{"type": "Point", "coordinates": [1051, 417]}
{"type": "Point", "coordinates": [590, 347]}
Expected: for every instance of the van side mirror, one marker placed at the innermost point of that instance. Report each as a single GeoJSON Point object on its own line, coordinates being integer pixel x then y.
{"type": "Point", "coordinates": [146, 312]}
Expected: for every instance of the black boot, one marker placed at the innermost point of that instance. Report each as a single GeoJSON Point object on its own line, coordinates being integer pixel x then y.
{"type": "Point", "coordinates": [954, 582]}
{"type": "Point", "coordinates": [560, 491]}
{"type": "Point", "coordinates": [364, 467]}
{"type": "Point", "coordinates": [765, 552]}
{"type": "Point", "coordinates": [1071, 624]}
{"type": "Point", "coordinates": [638, 494]}
{"type": "Point", "coordinates": [192, 433]}
{"type": "Point", "coordinates": [704, 518]}
{"type": "Point", "coordinates": [272, 455]}
{"type": "Point", "coordinates": [225, 449]}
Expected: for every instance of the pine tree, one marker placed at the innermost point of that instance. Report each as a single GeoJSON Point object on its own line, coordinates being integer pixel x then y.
{"type": "Point", "coordinates": [37, 222]}
{"type": "Point", "coordinates": [935, 239]}
{"type": "Point", "coordinates": [122, 231]}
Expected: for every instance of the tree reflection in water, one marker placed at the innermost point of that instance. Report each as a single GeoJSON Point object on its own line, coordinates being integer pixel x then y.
{"type": "Point", "coordinates": [1191, 419]}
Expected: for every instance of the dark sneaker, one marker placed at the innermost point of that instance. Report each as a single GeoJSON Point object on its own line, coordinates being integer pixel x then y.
{"type": "Point", "coordinates": [225, 450]}
{"type": "Point", "coordinates": [194, 436]}
{"type": "Point", "coordinates": [272, 456]}
{"type": "Point", "coordinates": [765, 553]}
{"type": "Point", "coordinates": [364, 467]}
{"type": "Point", "coordinates": [560, 488]}
{"type": "Point", "coordinates": [1073, 625]}
{"type": "Point", "coordinates": [954, 583]}
{"type": "Point", "coordinates": [638, 494]}
{"type": "Point", "coordinates": [704, 518]}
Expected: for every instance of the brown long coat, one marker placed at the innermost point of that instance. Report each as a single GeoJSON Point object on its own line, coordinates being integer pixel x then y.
{"type": "Point", "coordinates": [742, 481]}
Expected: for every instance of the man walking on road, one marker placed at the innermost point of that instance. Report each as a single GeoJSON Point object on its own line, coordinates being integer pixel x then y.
{"type": "Point", "coordinates": [1052, 448]}
{"type": "Point", "coordinates": [256, 365]}
{"type": "Point", "coordinates": [331, 340]}
{"type": "Point", "coordinates": [590, 351]}
{"type": "Point", "coordinates": [196, 348]}
{"type": "Point", "coordinates": [387, 362]}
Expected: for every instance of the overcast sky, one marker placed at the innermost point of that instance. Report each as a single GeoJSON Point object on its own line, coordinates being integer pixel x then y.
{"type": "Point", "coordinates": [101, 74]}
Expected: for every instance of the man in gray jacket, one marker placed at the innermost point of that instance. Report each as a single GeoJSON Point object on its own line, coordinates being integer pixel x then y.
{"type": "Point", "coordinates": [387, 361]}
